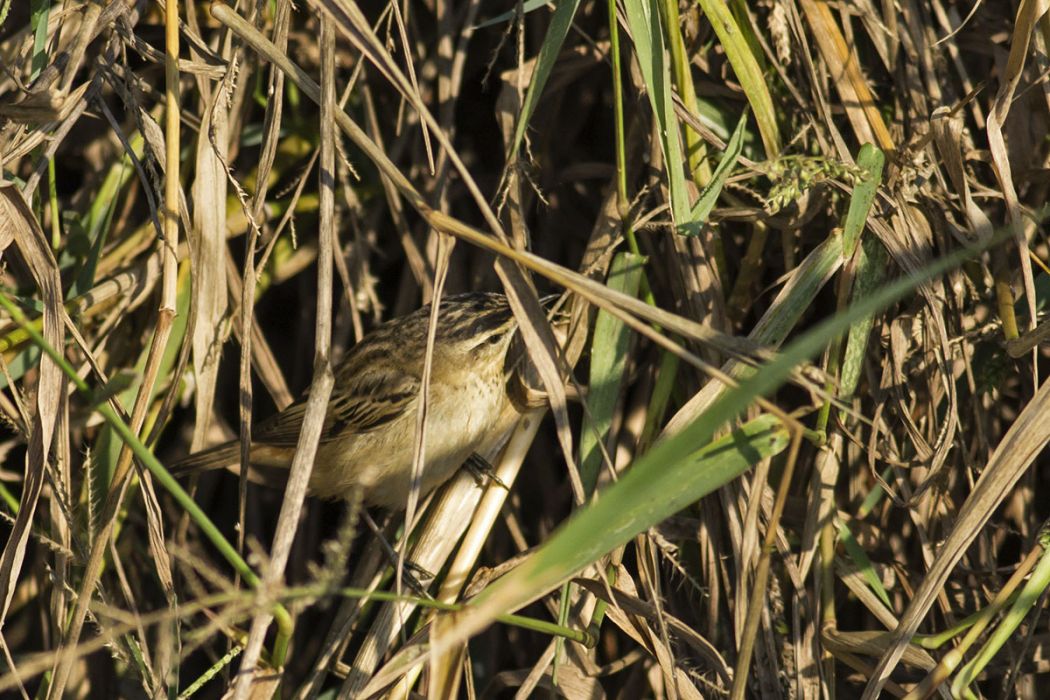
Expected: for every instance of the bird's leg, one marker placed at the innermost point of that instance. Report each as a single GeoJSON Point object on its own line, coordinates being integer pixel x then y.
{"type": "Point", "coordinates": [482, 471]}
{"type": "Point", "coordinates": [412, 570]}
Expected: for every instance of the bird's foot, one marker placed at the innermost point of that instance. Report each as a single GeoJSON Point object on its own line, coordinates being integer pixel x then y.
{"type": "Point", "coordinates": [482, 471]}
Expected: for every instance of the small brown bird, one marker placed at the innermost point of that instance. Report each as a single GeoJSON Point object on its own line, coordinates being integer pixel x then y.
{"type": "Point", "coordinates": [369, 433]}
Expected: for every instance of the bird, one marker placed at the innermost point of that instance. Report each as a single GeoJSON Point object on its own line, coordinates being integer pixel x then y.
{"type": "Point", "coordinates": [368, 437]}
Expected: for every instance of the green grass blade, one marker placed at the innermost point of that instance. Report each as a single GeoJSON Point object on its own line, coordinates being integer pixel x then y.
{"type": "Point", "coordinates": [863, 564]}
{"type": "Point", "coordinates": [871, 271]}
{"type": "Point", "coordinates": [526, 7]}
{"type": "Point", "coordinates": [671, 476]}
{"type": "Point", "coordinates": [1033, 590]}
{"type": "Point", "coordinates": [704, 205]}
{"type": "Point", "coordinates": [40, 12]}
{"type": "Point", "coordinates": [552, 43]}
{"type": "Point", "coordinates": [870, 161]}
{"type": "Point", "coordinates": [747, 71]}
{"type": "Point", "coordinates": [643, 19]}
{"type": "Point", "coordinates": [608, 360]}
{"type": "Point", "coordinates": [108, 445]}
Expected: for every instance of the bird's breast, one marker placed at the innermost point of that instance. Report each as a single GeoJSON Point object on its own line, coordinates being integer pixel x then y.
{"type": "Point", "coordinates": [463, 411]}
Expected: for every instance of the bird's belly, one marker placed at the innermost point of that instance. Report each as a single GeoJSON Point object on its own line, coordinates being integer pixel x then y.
{"type": "Point", "coordinates": [378, 464]}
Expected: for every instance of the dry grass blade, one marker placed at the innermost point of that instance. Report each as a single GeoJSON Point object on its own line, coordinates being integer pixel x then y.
{"type": "Point", "coordinates": [1028, 13]}
{"type": "Point", "coordinates": [628, 604]}
{"type": "Point", "coordinates": [641, 622]}
{"type": "Point", "coordinates": [208, 246]}
{"type": "Point", "coordinates": [857, 98]}
{"type": "Point", "coordinates": [1013, 456]}
{"type": "Point", "coordinates": [323, 379]}
{"type": "Point", "coordinates": [18, 226]}
{"type": "Point", "coordinates": [334, 165]}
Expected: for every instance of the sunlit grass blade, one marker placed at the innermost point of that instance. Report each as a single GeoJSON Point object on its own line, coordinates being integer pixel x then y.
{"type": "Point", "coordinates": [870, 160]}
{"type": "Point", "coordinates": [526, 7]}
{"type": "Point", "coordinates": [643, 19]}
{"type": "Point", "coordinates": [704, 205]}
{"type": "Point", "coordinates": [557, 31]}
{"type": "Point", "coordinates": [747, 71]}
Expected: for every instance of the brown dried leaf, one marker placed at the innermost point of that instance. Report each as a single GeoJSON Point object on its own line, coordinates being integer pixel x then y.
{"type": "Point", "coordinates": [208, 245]}
{"type": "Point", "coordinates": [1015, 453]}
{"type": "Point", "coordinates": [855, 95]}
{"type": "Point", "coordinates": [19, 226]}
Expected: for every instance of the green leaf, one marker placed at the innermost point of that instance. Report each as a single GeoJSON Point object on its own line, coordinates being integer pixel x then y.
{"type": "Point", "coordinates": [672, 475]}
{"type": "Point", "coordinates": [556, 33]}
{"type": "Point", "coordinates": [526, 7]}
{"type": "Point", "coordinates": [119, 383]}
{"type": "Point", "coordinates": [870, 161]}
{"type": "Point", "coordinates": [704, 205]}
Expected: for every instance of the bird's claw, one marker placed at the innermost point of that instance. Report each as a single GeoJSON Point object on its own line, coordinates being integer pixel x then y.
{"type": "Point", "coordinates": [482, 471]}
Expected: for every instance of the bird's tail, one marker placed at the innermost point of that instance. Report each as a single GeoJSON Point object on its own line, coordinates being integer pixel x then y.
{"type": "Point", "coordinates": [218, 457]}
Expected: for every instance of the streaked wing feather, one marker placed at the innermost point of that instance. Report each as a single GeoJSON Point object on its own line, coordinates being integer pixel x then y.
{"type": "Point", "coordinates": [375, 399]}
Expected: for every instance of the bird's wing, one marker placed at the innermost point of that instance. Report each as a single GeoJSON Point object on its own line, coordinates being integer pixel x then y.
{"type": "Point", "coordinates": [365, 402]}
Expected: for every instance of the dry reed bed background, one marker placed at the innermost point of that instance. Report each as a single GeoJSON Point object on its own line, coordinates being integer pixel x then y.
{"type": "Point", "coordinates": [850, 329]}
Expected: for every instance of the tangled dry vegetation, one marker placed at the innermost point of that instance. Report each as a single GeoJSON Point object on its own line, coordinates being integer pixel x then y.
{"type": "Point", "coordinates": [806, 261]}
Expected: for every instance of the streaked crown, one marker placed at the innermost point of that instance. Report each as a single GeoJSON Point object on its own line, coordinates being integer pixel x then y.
{"type": "Point", "coordinates": [479, 322]}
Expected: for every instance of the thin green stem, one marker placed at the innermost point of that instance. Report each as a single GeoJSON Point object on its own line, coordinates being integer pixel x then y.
{"type": "Point", "coordinates": [9, 499]}
{"type": "Point", "coordinates": [52, 191]}
{"type": "Point", "coordinates": [581, 636]}
{"type": "Point", "coordinates": [622, 203]}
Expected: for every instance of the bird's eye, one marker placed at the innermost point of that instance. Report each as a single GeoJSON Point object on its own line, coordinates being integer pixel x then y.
{"type": "Point", "coordinates": [494, 338]}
